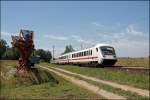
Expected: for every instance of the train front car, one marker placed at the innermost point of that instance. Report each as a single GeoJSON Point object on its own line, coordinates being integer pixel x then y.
{"type": "Point", "coordinates": [106, 54]}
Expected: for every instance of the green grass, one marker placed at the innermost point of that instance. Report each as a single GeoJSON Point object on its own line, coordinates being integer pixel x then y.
{"type": "Point", "coordinates": [127, 94]}
{"type": "Point", "coordinates": [122, 77]}
{"type": "Point", "coordinates": [133, 62]}
{"type": "Point", "coordinates": [47, 90]}
{"type": "Point", "coordinates": [9, 62]}
{"type": "Point", "coordinates": [18, 88]}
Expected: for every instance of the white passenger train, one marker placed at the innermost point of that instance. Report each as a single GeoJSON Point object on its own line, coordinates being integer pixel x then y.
{"type": "Point", "coordinates": [100, 54]}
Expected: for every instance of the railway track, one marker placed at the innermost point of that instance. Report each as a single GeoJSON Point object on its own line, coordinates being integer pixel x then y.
{"type": "Point", "coordinates": [132, 69]}
{"type": "Point", "coordinates": [128, 69]}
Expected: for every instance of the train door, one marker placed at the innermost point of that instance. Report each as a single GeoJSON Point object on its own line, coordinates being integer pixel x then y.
{"type": "Point", "coordinates": [99, 55]}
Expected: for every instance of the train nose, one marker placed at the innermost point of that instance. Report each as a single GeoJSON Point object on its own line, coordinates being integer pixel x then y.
{"type": "Point", "coordinates": [109, 62]}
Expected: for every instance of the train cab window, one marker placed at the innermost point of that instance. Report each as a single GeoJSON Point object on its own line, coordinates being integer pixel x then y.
{"type": "Point", "coordinates": [91, 52]}
{"type": "Point", "coordinates": [97, 49]}
{"type": "Point", "coordinates": [82, 53]}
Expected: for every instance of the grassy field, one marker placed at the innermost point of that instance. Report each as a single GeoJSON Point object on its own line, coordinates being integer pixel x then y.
{"type": "Point", "coordinates": [13, 88]}
{"type": "Point", "coordinates": [133, 62]}
{"type": "Point", "coordinates": [136, 80]}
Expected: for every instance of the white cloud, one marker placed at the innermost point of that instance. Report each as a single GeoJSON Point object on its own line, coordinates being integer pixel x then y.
{"type": "Point", "coordinates": [127, 43]}
{"type": "Point", "coordinates": [81, 40]}
{"type": "Point", "coordinates": [5, 34]}
{"type": "Point", "coordinates": [97, 24]}
{"type": "Point", "coordinates": [62, 38]}
{"type": "Point", "coordinates": [8, 33]}
{"type": "Point", "coordinates": [131, 30]}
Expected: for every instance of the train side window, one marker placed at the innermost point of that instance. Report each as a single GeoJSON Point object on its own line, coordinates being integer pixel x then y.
{"type": "Point", "coordinates": [87, 53]}
{"type": "Point", "coordinates": [84, 53]}
{"type": "Point", "coordinates": [97, 49]}
{"type": "Point", "coordinates": [91, 52]}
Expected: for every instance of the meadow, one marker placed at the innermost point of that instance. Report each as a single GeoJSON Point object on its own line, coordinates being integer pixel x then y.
{"type": "Point", "coordinates": [56, 87]}
{"type": "Point", "coordinates": [133, 62]}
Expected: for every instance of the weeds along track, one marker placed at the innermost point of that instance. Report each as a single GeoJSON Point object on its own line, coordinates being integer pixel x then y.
{"type": "Point", "coordinates": [129, 69]}
{"type": "Point", "coordinates": [140, 70]}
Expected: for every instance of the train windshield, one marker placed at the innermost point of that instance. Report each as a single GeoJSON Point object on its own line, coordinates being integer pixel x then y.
{"type": "Point", "coordinates": [107, 50]}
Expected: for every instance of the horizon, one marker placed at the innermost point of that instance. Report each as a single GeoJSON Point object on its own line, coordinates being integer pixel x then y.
{"type": "Point", "coordinates": [123, 24]}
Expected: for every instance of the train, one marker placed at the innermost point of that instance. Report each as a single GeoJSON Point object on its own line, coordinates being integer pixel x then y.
{"type": "Point", "coordinates": [100, 54]}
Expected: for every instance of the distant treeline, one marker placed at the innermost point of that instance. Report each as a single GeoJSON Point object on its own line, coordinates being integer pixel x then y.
{"type": "Point", "coordinates": [10, 53]}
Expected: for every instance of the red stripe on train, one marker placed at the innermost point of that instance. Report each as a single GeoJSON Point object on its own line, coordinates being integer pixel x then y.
{"type": "Point", "coordinates": [79, 58]}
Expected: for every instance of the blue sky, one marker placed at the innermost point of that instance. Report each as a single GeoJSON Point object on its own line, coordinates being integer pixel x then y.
{"type": "Point", "coordinates": [123, 24]}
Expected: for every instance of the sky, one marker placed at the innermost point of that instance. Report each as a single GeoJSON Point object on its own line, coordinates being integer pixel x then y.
{"type": "Point", "coordinates": [123, 24]}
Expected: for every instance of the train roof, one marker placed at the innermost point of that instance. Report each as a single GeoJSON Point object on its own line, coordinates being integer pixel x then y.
{"type": "Point", "coordinates": [102, 44]}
